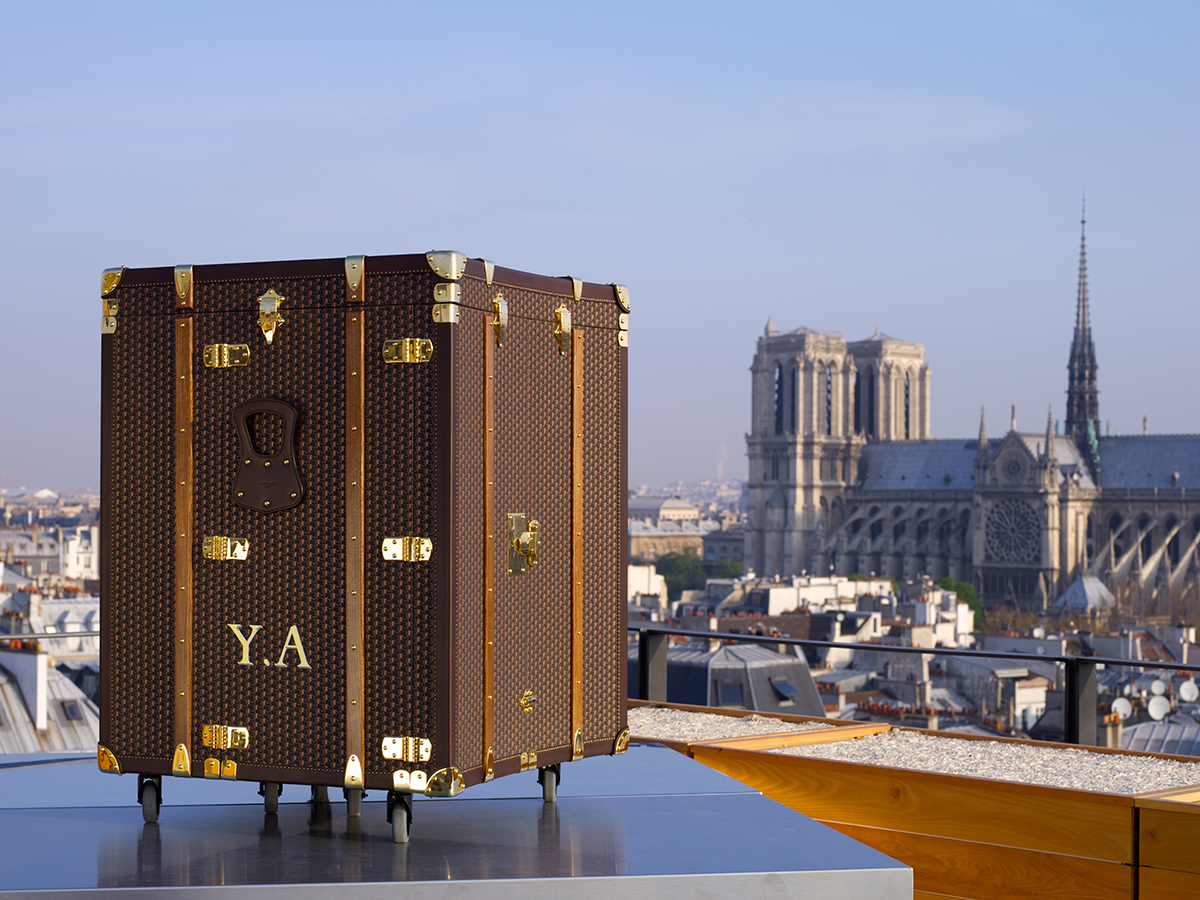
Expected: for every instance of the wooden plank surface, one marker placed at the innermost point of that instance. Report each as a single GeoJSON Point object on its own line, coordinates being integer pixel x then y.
{"type": "Point", "coordinates": [1169, 839]}
{"type": "Point", "coordinates": [986, 872]}
{"type": "Point", "coordinates": [1163, 884]}
{"type": "Point", "coordinates": [798, 738]}
{"type": "Point", "coordinates": [1031, 817]}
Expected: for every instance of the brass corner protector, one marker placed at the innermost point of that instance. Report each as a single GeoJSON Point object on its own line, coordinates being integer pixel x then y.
{"type": "Point", "coordinates": [489, 270]}
{"type": "Point", "coordinates": [528, 760]}
{"type": "Point", "coordinates": [489, 765]}
{"type": "Point", "coordinates": [445, 783]}
{"type": "Point", "coordinates": [562, 328]}
{"type": "Point", "coordinates": [269, 317]}
{"type": "Point", "coordinates": [622, 338]}
{"type": "Point", "coordinates": [448, 264]}
{"type": "Point", "coordinates": [577, 745]}
{"type": "Point", "coordinates": [181, 766]}
{"type": "Point", "coordinates": [228, 770]}
{"type": "Point", "coordinates": [354, 775]}
{"type": "Point", "coordinates": [500, 322]}
{"type": "Point", "coordinates": [356, 267]}
{"type": "Point", "coordinates": [622, 294]}
{"type": "Point", "coordinates": [621, 742]}
{"type": "Point", "coordinates": [184, 295]}
{"type": "Point", "coordinates": [109, 279]}
{"type": "Point", "coordinates": [106, 761]}
{"type": "Point", "coordinates": [212, 768]}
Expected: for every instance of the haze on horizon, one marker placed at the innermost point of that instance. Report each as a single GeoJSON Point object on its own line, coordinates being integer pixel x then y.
{"type": "Point", "coordinates": [914, 167]}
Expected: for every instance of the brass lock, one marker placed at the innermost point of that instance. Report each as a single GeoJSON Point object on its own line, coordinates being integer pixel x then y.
{"type": "Point", "coordinates": [522, 544]}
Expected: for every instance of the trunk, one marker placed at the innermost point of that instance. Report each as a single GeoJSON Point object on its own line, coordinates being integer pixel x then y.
{"type": "Point", "coordinates": [363, 521]}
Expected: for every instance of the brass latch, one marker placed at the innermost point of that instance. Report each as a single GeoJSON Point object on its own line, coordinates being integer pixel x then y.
{"type": "Point", "coordinates": [409, 749]}
{"type": "Point", "coordinates": [500, 319]}
{"type": "Point", "coordinates": [415, 782]}
{"type": "Point", "coordinates": [408, 350]}
{"type": "Point", "coordinates": [226, 548]}
{"type": "Point", "coordinates": [407, 549]}
{"type": "Point", "coordinates": [445, 303]}
{"type": "Point", "coordinates": [216, 768]}
{"type": "Point", "coordinates": [268, 314]}
{"type": "Point", "coordinates": [224, 356]}
{"type": "Point", "coordinates": [522, 543]}
{"type": "Point", "coordinates": [226, 737]}
{"type": "Point", "coordinates": [108, 312]}
{"type": "Point", "coordinates": [527, 702]}
{"type": "Point", "coordinates": [562, 328]}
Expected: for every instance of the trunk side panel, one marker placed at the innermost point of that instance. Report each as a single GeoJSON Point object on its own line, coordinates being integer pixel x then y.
{"type": "Point", "coordinates": [533, 476]}
{"type": "Point", "coordinates": [604, 529]}
{"type": "Point", "coordinates": [402, 474]}
{"type": "Point", "coordinates": [296, 571]}
{"type": "Point", "coordinates": [469, 562]}
{"type": "Point", "coordinates": [139, 606]}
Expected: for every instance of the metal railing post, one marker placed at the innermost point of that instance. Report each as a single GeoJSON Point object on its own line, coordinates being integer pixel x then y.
{"type": "Point", "coordinates": [1079, 702]}
{"type": "Point", "coordinates": [652, 666]}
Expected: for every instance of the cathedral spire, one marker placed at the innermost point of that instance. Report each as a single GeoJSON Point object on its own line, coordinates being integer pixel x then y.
{"type": "Point", "coordinates": [1083, 404]}
{"type": "Point", "coordinates": [981, 454]}
{"type": "Point", "coordinates": [1051, 454]}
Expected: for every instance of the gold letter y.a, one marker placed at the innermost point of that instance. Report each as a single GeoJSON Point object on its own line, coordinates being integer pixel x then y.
{"type": "Point", "coordinates": [245, 642]}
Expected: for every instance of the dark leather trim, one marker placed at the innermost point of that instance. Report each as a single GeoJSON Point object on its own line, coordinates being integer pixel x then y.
{"type": "Point", "coordinates": [445, 549]}
{"type": "Point", "coordinates": [107, 492]}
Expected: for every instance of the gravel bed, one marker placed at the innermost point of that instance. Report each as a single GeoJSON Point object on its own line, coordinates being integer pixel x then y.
{"type": "Point", "coordinates": [1051, 766]}
{"type": "Point", "coordinates": [680, 725]}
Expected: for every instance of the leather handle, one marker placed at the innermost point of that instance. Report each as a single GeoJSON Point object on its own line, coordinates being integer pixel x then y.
{"type": "Point", "coordinates": [267, 483]}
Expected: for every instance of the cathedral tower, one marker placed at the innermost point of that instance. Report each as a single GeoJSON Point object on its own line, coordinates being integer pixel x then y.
{"type": "Point", "coordinates": [1083, 405]}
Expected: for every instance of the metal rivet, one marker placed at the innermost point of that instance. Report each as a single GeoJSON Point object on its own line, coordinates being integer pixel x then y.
{"type": "Point", "coordinates": [293, 495]}
{"type": "Point", "coordinates": [267, 463]}
{"type": "Point", "coordinates": [266, 503]}
{"type": "Point", "coordinates": [286, 461]}
{"type": "Point", "coordinates": [247, 462]}
{"type": "Point", "coordinates": [239, 493]}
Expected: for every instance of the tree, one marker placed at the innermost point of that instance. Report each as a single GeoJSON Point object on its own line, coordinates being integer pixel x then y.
{"type": "Point", "coordinates": [966, 592]}
{"type": "Point", "coordinates": [682, 572]}
{"type": "Point", "coordinates": [726, 568]}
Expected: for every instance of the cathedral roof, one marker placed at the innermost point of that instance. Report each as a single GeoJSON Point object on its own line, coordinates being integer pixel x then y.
{"type": "Point", "coordinates": [919, 466]}
{"type": "Point", "coordinates": [1166, 461]}
{"type": "Point", "coordinates": [949, 465]}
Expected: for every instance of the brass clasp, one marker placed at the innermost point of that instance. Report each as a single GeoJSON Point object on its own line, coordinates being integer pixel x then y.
{"type": "Point", "coordinates": [225, 548]}
{"type": "Point", "coordinates": [407, 549]}
{"type": "Point", "coordinates": [269, 317]}
{"type": "Point", "coordinates": [562, 328]}
{"type": "Point", "coordinates": [522, 543]}
{"type": "Point", "coordinates": [225, 737]}
{"type": "Point", "coordinates": [408, 350]}
{"type": "Point", "coordinates": [224, 356]}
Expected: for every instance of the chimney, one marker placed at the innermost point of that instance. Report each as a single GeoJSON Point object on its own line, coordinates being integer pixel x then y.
{"type": "Point", "coordinates": [29, 668]}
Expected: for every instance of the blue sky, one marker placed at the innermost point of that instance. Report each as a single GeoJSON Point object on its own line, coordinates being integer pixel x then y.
{"type": "Point", "coordinates": [914, 166]}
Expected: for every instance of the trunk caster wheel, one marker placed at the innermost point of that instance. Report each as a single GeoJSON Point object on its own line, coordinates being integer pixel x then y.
{"type": "Point", "coordinates": [548, 779]}
{"type": "Point", "coordinates": [320, 794]}
{"type": "Point", "coordinates": [354, 799]}
{"type": "Point", "coordinates": [399, 814]}
{"type": "Point", "coordinates": [150, 797]}
{"type": "Point", "coordinates": [270, 792]}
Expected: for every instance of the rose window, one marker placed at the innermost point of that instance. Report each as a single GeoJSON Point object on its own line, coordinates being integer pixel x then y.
{"type": "Point", "coordinates": [1013, 533]}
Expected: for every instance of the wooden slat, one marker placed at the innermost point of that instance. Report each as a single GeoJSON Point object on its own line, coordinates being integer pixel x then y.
{"type": "Point", "coordinates": [1054, 820]}
{"type": "Point", "coordinates": [986, 872]}
{"type": "Point", "coordinates": [577, 370]}
{"type": "Point", "coordinates": [1163, 884]}
{"type": "Point", "coordinates": [489, 544]}
{"type": "Point", "coordinates": [184, 539]}
{"type": "Point", "coordinates": [355, 470]}
{"type": "Point", "coordinates": [633, 703]}
{"type": "Point", "coordinates": [1169, 838]}
{"type": "Point", "coordinates": [1189, 794]}
{"type": "Point", "coordinates": [799, 738]}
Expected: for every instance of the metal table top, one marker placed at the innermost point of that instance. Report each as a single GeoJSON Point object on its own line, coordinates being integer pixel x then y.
{"type": "Point", "coordinates": [649, 823]}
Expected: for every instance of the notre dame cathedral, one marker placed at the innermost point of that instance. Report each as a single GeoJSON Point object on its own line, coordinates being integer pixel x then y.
{"type": "Point", "coordinates": [844, 477]}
